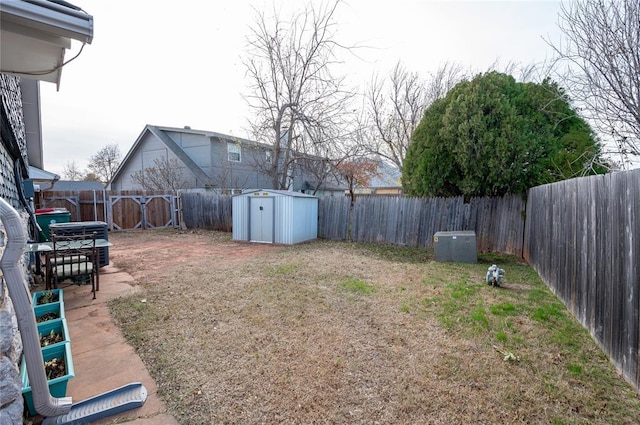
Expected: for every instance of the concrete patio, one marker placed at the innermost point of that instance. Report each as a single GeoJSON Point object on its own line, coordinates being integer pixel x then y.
{"type": "Point", "coordinates": [101, 356]}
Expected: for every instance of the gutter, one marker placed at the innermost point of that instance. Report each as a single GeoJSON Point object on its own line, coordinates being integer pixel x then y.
{"type": "Point", "coordinates": [49, 17]}
{"type": "Point", "coordinates": [13, 275]}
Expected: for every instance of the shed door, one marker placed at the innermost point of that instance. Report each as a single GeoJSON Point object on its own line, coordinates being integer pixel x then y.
{"type": "Point", "coordinates": [261, 219]}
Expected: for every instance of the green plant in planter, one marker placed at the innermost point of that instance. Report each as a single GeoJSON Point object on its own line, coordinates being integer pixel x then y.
{"type": "Point", "coordinates": [53, 332]}
{"type": "Point", "coordinates": [52, 337]}
{"type": "Point", "coordinates": [55, 368]}
{"type": "Point", "coordinates": [47, 297]}
{"type": "Point", "coordinates": [47, 312]}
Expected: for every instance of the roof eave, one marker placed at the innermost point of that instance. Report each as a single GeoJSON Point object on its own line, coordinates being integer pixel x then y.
{"type": "Point", "coordinates": [35, 35]}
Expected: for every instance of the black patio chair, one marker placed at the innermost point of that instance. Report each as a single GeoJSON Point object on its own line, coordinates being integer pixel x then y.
{"type": "Point", "coordinates": [75, 258]}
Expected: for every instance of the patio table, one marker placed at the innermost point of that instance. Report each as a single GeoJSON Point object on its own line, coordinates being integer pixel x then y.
{"type": "Point", "coordinates": [46, 248]}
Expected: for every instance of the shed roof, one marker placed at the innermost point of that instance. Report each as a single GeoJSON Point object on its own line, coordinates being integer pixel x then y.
{"type": "Point", "coordinates": [278, 192]}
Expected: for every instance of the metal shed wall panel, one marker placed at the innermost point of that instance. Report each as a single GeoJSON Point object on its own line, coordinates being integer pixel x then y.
{"type": "Point", "coordinates": [296, 219]}
{"type": "Point", "coordinates": [240, 218]}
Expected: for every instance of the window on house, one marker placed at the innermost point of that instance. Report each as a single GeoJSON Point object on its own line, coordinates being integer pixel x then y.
{"type": "Point", "coordinates": [233, 152]}
{"type": "Point", "coordinates": [267, 157]}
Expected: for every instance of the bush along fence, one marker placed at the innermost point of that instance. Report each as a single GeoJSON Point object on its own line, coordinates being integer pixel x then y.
{"type": "Point", "coordinates": [583, 238]}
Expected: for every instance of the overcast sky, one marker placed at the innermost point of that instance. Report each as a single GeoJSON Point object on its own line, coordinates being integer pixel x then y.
{"type": "Point", "coordinates": [177, 63]}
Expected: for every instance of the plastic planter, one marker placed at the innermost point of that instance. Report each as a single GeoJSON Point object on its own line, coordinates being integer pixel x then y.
{"type": "Point", "coordinates": [57, 326]}
{"type": "Point", "coordinates": [57, 386]}
{"type": "Point", "coordinates": [37, 295]}
{"type": "Point", "coordinates": [56, 308]}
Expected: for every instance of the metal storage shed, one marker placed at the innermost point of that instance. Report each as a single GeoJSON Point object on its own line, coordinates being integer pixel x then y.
{"type": "Point", "coordinates": [275, 216]}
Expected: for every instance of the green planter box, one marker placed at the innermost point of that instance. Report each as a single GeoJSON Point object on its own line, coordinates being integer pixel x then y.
{"type": "Point", "coordinates": [57, 386]}
{"type": "Point", "coordinates": [55, 308]}
{"type": "Point", "coordinates": [36, 296]}
{"type": "Point", "coordinates": [57, 326]}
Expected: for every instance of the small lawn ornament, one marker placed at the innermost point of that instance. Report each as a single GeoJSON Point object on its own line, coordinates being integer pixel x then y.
{"type": "Point", "coordinates": [495, 275]}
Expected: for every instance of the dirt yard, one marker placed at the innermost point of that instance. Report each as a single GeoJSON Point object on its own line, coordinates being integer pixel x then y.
{"type": "Point", "coordinates": [328, 332]}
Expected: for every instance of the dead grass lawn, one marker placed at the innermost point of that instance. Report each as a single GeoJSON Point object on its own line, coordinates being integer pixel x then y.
{"type": "Point", "coordinates": [329, 332]}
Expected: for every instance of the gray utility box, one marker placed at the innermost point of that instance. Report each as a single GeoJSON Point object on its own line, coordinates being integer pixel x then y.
{"type": "Point", "coordinates": [457, 246]}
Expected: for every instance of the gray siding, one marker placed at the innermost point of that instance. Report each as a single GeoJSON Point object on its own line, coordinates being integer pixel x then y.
{"type": "Point", "coordinates": [12, 105]}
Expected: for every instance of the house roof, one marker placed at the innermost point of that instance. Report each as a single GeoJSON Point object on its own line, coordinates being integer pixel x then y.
{"type": "Point", "coordinates": [388, 176]}
{"type": "Point", "coordinates": [34, 35]}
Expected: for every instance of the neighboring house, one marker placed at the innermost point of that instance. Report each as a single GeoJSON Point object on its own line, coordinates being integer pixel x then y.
{"type": "Point", "coordinates": [387, 181]}
{"type": "Point", "coordinates": [208, 161]}
{"type": "Point", "coordinates": [33, 38]}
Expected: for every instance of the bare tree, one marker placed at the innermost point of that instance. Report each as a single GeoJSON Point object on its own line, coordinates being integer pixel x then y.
{"type": "Point", "coordinates": [72, 172]}
{"type": "Point", "coordinates": [300, 106]}
{"type": "Point", "coordinates": [163, 175]}
{"type": "Point", "coordinates": [599, 63]}
{"type": "Point", "coordinates": [444, 79]}
{"type": "Point", "coordinates": [395, 106]}
{"type": "Point", "coordinates": [91, 177]}
{"type": "Point", "coordinates": [105, 163]}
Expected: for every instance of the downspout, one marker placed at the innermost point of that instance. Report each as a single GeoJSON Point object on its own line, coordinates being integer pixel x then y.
{"type": "Point", "coordinates": [14, 277]}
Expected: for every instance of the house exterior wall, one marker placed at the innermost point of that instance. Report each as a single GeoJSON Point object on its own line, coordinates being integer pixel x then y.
{"type": "Point", "coordinates": [196, 146]}
{"type": "Point", "coordinates": [32, 122]}
{"type": "Point", "coordinates": [246, 174]}
{"type": "Point", "coordinates": [11, 402]}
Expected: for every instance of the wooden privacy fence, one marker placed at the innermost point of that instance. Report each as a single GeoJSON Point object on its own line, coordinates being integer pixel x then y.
{"type": "Point", "coordinates": [498, 222]}
{"type": "Point", "coordinates": [333, 217]}
{"type": "Point", "coordinates": [583, 238]}
{"type": "Point", "coordinates": [121, 210]}
{"type": "Point", "coordinates": [206, 210]}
